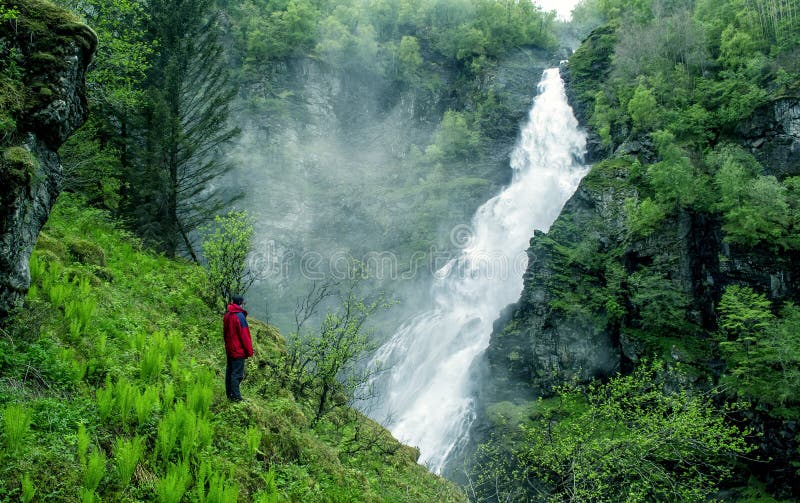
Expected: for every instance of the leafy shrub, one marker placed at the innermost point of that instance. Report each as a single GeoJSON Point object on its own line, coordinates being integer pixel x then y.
{"type": "Point", "coordinates": [666, 441]}
{"type": "Point", "coordinates": [643, 109]}
{"type": "Point", "coordinates": [761, 350]}
{"type": "Point", "coordinates": [643, 218]}
{"type": "Point", "coordinates": [226, 246]}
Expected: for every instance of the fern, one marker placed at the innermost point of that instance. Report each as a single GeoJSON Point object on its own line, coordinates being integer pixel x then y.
{"type": "Point", "coordinates": [83, 443]}
{"type": "Point", "coordinates": [270, 492]}
{"type": "Point", "coordinates": [253, 438]}
{"type": "Point", "coordinates": [205, 433]}
{"type": "Point", "coordinates": [174, 344]}
{"type": "Point", "coordinates": [38, 267]}
{"type": "Point", "coordinates": [88, 496]}
{"type": "Point", "coordinates": [171, 487]}
{"type": "Point", "coordinates": [57, 293]}
{"type": "Point", "coordinates": [189, 433]}
{"type": "Point", "coordinates": [127, 454]}
{"type": "Point", "coordinates": [94, 471]}
{"type": "Point", "coordinates": [221, 490]}
{"type": "Point", "coordinates": [28, 489]}
{"type": "Point", "coordinates": [144, 403]}
{"type": "Point", "coordinates": [198, 398]}
{"type": "Point", "coordinates": [125, 395]}
{"type": "Point", "coordinates": [151, 363]}
{"type": "Point", "coordinates": [105, 400]}
{"type": "Point", "coordinates": [16, 423]}
{"type": "Point", "coordinates": [168, 395]}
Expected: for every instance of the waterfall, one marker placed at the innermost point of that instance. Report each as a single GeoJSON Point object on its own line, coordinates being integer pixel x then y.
{"type": "Point", "coordinates": [425, 397]}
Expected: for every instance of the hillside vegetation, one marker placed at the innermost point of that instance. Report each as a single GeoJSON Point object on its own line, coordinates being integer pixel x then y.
{"type": "Point", "coordinates": [112, 389]}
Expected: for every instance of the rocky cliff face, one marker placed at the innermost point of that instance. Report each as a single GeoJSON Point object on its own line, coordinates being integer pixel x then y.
{"type": "Point", "coordinates": [773, 136]}
{"type": "Point", "coordinates": [49, 50]}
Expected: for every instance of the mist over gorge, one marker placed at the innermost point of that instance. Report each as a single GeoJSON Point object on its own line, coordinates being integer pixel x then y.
{"type": "Point", "coordinates": [341, 169]}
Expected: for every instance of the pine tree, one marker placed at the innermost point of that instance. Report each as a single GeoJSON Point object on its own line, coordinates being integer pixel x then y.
{"type": "Point", "coordinates": [184, 127]}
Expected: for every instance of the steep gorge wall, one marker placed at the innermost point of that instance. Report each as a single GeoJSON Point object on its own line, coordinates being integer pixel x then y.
{"type": "Point", "coordinates": [50, 50]}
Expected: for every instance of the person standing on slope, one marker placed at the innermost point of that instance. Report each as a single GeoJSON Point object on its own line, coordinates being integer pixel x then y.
{"type": "Point", "coordinates": [238, 346]}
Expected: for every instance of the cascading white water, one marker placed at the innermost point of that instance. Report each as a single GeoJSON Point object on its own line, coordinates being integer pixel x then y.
{"type": "Point", "coordinates": [425, 397]}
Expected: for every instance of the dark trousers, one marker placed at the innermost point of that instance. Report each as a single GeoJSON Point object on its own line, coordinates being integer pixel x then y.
{"type": "Point", "coordinates": [234, 373]}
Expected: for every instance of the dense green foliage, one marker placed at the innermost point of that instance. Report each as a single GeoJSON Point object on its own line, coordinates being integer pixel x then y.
{"type": "Point", "coordinates": [157, 135]}
{"type": "Point", "coordinates": [676, 79]}
{"type": "Point", "coordinates": [111, 389]}
{"type": "Point", "coordinates": [160, 92]}
{"type": "Point", "coordinates": [639, 437]}
{"type": "Point", "coordinates": [761, 350]}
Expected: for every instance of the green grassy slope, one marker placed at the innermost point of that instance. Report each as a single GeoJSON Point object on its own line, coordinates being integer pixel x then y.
{"type": "Point", "coordinates": [111, 387]}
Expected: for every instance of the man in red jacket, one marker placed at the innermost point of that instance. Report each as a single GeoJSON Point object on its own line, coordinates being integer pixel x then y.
{"type": "Point", "coordinates": [238, 346]}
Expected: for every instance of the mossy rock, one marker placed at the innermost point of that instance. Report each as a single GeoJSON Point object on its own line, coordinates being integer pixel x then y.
{"type": "Point", "coordinates": [7, 123]}
{"type": "Point", "coordinates": [78, 275]}
{"type": "Point", "coordinates": [44, 35]}
{"type": "Point", "coordinates": [102, 273]}
{"type": "Point", "coordinates": [17, 168]}
{"type": "Point", "coordinates": [612, 173]}
{"type": "Point", "coordinates": [48, 256]}
{"type": "Point", "coordinates": [45, 244]}
{"type": "Point", "coordinates": [267, 337]}
{"type": "Point", "coordinates": [509, 414]}
{"type": "Point", "coordinates": [86, 252]}
{"type": "Point", "coordinates": [44, 58]}
{"type": "Point", "coordinates": [20, 158]}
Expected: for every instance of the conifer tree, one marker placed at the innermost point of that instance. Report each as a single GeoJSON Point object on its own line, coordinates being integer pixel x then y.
{"type": "Point", "coordinates": [184, 127]}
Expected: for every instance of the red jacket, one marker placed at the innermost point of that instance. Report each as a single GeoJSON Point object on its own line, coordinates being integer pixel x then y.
{"type": "Point", "coordinates": [238, 343]}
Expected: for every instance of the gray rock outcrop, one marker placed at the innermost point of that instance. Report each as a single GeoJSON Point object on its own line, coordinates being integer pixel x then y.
{"type": "Point", "coordinates": [53, 50]}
